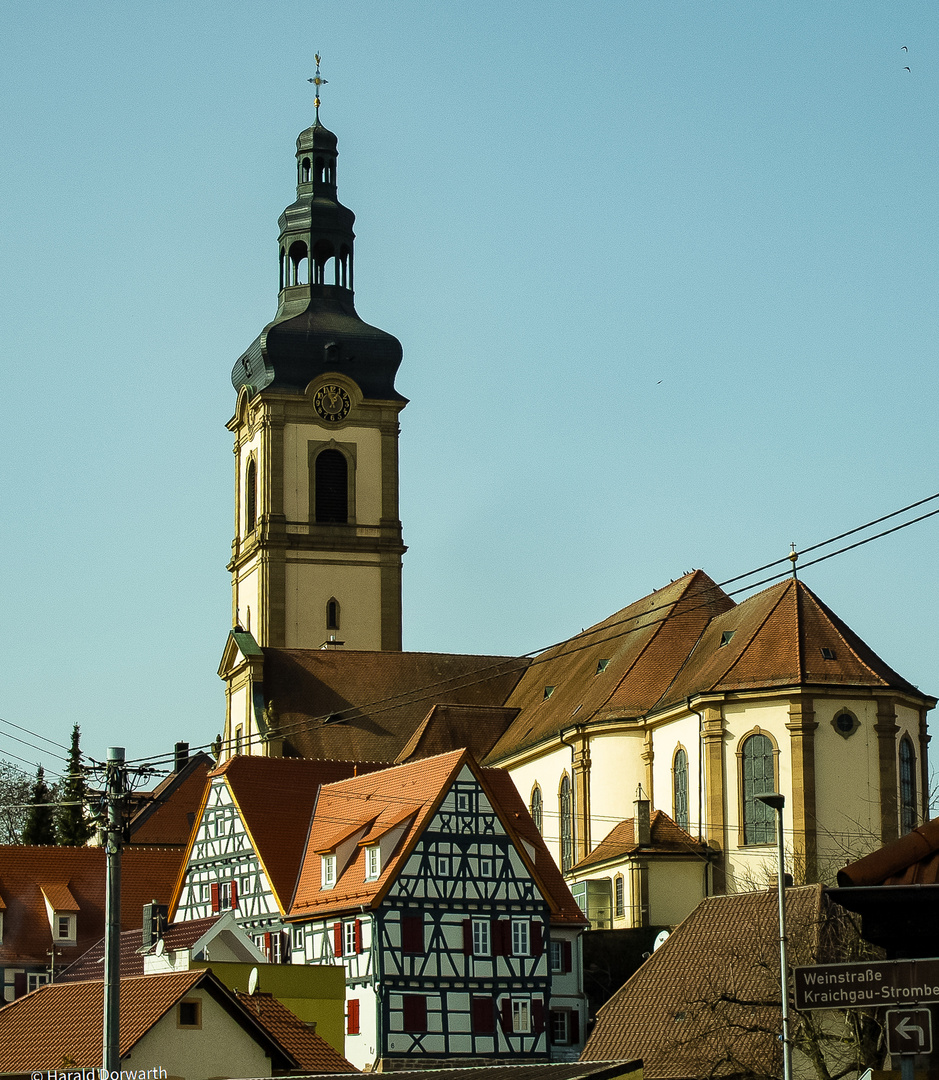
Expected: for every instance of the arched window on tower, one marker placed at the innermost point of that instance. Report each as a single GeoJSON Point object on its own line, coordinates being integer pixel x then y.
{"type": "Point", "coordinates": [908, 813]}
{"type": "Point", "coordinates": [331, 479]}
{"type": "Point", "coordinates": [680, 788]}
{"type": "Point", "coordinates": [251, 496]}
{"type": "Point", "coordinates": [332, 614]}
{"type": "Point", "coordinates": [305, 171]}
{"type": "Point", "coordinates": [535, 807]}
{"type": "Point", "coordinates": [345, 267]}
{"type": "Point", "coordinates": [566, 814]}
{"type": "Point", "coordinates": [759, 826]}
{"type": "Point", "coordinates": [299, 264]}
{"type": "Point", "coordinates": [323, 255]}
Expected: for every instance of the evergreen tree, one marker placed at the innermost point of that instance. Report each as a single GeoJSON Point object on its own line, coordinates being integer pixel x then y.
{"type": "Point", "coordinates": [71, 827]}
{"type": "Point", "coordinates": [40, 821]}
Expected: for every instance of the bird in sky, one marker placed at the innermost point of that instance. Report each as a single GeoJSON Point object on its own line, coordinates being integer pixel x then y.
{"type": "Point", "coordinates": [903, 48]}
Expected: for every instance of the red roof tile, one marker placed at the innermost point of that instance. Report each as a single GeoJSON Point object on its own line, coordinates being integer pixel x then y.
{"type": "Point", "coordinates": [381, 698]}
{"type": "Point", "coordinates": [384, 796]}
{"type": "Point", "coordinates": [275, 797]}
{"type": "Point", "coordinates": [146, 874]}
{"type": "Point", "coordinates": [706, 1003]}
{"type": "Point", "coordinates": [666, 838]}
{"type": "Point", "coordinates": [312, 1051]}
{"type": "Point", "coordinates": [177, 936]}
{"type": "Point", "coordinates": [168, 815]}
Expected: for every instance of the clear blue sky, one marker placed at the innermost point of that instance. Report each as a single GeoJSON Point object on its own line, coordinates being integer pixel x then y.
{"type": "Point", "coordinates": [665, 274]}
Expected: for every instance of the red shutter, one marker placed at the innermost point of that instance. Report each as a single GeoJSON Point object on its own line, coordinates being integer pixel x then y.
{"type": "Point", "coordinates": [573, 1021]}
{"type": "Point", "coordinates": [537, 1017]}
{"type": "Point", "coordinates": [412, 933]}
{"type": "Point", "coordinates": [495, 936]}
{"type": "Point", "coordinates": [234, 895]}
{"type": "Point", "coordinates": [507, 1015]}
{"type": "Point", "coordinates": [19, 984]}
{"type": "Point", "coordinates": [215, 907]}
{"type": "Point", "coordinates": [468, 937]}
{"type": "Point", "coordinates": [268, 947]}
{"type": "Point", "coordinates": [358, 935]}
{"type": "Point", "coordinates": [352, 1017]}
{"type": "Point", "coordinates": [536, 939]}
{"type": "Point", "coordinates": [506, 927]}
{"type": "Point", "coordinates": [337, 939]}
{"type": "Point", "coordinates": [415, 1012]}
{"type": "Point", "coordinates": [567, 960]}
{"type": "Point", "coordinates": [484, 1017]}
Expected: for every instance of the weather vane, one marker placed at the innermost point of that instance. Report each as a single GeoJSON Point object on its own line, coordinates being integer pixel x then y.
{"type": "Point", "coordinates": [317, 82]}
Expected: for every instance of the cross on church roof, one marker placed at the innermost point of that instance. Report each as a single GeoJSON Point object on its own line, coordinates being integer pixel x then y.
{"type": "Point", "coordinates": [317, 82]}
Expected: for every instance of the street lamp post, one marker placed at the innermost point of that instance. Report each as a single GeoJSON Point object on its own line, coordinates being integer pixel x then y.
{"type": "Point", "coordinates": [777, 802]}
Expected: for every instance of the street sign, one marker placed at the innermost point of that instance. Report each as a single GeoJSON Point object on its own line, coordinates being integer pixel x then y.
{"type": "Point", "coordinates": [860, 986]}
{"type": "Point", "coordinates": [909, 1031]}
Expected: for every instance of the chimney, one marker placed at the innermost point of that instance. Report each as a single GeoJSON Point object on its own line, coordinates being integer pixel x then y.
{"type": "Point", "coordinates": [332, 642]}
{"type": "Point", "coordinates": [642, 827]}
{"type": "Point", "coordinates": [154, 923]}
{"type": "Point", "coordinates": [180, 756]}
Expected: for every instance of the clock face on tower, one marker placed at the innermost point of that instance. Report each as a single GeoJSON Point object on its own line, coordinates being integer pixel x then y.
{"type": "Point", "coordinates": [331, 402]}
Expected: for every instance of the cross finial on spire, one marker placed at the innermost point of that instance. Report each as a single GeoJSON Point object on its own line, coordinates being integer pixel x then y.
{"type": "Point", "coordinates": [317, 82]}
{"type": "Point", "coordinates": [793, 557]}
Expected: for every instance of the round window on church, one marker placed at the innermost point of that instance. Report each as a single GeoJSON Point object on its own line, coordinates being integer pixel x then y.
{"type": "Point", "coordinates": [845, 723]}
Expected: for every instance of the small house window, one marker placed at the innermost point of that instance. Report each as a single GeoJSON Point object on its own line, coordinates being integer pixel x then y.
{"type": "Point", "coordinates": [328, 867]}
{"type": "Point", "coordinates": [64, 926]}
{"type": "Point", "coordinates": [332, 615]}
{"type": "Point", "coordinates": [619, 899]}
{"type": "Point", "coordinates": [521, 939]}
{"type": "Point", "coordinates": [189, 1014]}
{"type": "Point", "coordinates": [521, 1015]}
{"type": "Point", "coordinates": [372, 862]}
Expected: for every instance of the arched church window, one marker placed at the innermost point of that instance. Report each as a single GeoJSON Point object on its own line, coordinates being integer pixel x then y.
{"type": "Point", "coordinates": [332, 487]}
{"type": "Point", "coordinates": [759, 826]}
{"type": "Point", "coordinates": [251, 496]}
{"type": "Point", "coordinates": [566, 813]}
{"type": "Point", "coordinates": [305, 171]}
{"type": "Point", "coordinates": [907, 786]}
{"type": "Point", "coordinates": [332, 615]}
{"type": "Point", "coordinates": [536, 807]}
{"type": "Point", "coordinates": [680, 788]}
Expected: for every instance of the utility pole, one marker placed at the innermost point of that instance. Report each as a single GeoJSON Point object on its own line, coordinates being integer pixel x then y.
{"type": "Point", "coordinates": [116, 786]}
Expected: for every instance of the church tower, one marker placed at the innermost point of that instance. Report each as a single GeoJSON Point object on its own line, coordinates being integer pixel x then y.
{"type": "Point", "coordinates": [317, 551]}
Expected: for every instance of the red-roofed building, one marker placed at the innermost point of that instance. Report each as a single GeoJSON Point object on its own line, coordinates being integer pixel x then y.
{"type": "Point", "coordinates": [53, 901]}
{"type": "Point", "coordinates": [185, 1024]}
{"type": "Point", "coordinates": [431, 885]}
{"type": "Point", "coordinates": [700, 701]}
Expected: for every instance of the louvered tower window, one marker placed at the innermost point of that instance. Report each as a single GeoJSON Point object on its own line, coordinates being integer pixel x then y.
{"type": "Point", "coordinates": [758, 777]}
{"type": "Point", "coordinates": [332, 487]}
{"type": "Point", "coordinates": [907, 787]}
{"type": "Point", "coordinates": [681, 789]}
{"type": "Point", "coordinates": [567, 825]}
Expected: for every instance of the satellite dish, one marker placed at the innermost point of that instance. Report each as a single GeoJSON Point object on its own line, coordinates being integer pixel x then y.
{"type": "Point", "coordinates": [160, 948]}
{"type": "Point", "coordinates": [253, 981]}
{"type": "Point", "coordinates": [660, 940]}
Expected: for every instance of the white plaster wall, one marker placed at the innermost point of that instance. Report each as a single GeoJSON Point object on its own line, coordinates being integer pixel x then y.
{"type": "Point", "coordinates": [675, 890]}
{"type": "Point", "coordinates": [616, 771]}
{"type": "Point", "coordinates": [357, 587]}
{"type": "Point", "coordinates": [221, 1047]}
{"type": "Point", "coordinates": [847, 785]}
{"type": "Point", "coordinates": [363, 1049]}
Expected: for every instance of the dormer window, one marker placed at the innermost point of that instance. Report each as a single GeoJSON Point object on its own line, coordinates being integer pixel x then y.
{"type": "Point", "coordinates": [328, 869]}
{"type": "Point", "coordinates": [601, 666]}
{"type": "Point", "coordinates": [372, 862]}
{"type": "Point", "coordinates": [65, 928]}
{"type": "Point", "coordinates": [726, 636]}
{"type": "Point", "coordinates": [548, 691]}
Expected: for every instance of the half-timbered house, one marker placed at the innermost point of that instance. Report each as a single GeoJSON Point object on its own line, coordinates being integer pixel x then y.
{"type": "Point", "coordinates": [245, 851]}
{"type": "Point", "coordinates": [430, 883]}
